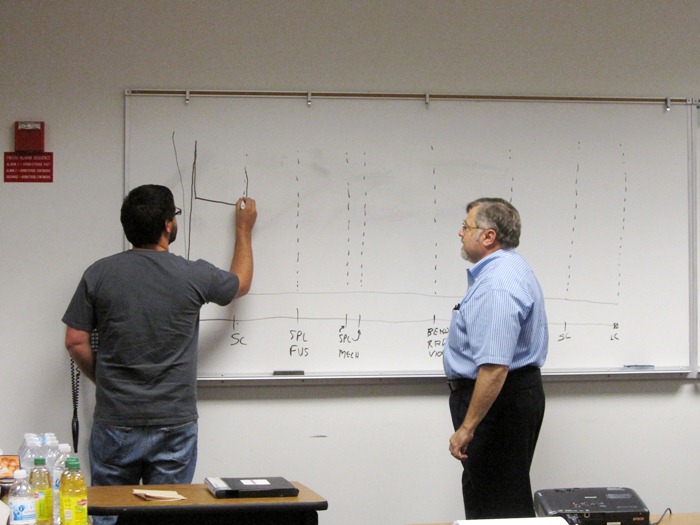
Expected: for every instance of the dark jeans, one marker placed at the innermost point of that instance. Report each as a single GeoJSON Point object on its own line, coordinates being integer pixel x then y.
{"type": "Point", "coordinates": [148, 455]}
{"type": "Point", "coordinates": [496, 475]}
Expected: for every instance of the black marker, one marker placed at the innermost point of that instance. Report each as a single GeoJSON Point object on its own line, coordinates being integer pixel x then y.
{"type": "Point", "coordinates": [288, 373]}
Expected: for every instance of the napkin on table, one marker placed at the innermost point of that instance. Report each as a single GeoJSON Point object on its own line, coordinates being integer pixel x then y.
{"type": "Point", "coordinates": [158, 495]}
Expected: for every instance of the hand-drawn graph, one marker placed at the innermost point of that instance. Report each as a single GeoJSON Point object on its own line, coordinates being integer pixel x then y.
{"type": "Point", "coordinates": [357, 254]}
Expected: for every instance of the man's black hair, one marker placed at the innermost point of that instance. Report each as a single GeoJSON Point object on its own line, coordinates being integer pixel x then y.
{"type": "Point", "coordinates": [144, 213]}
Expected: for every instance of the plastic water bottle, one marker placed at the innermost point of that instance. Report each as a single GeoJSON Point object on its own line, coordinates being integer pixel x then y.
{"type": "Point", "coordinates": [51, 453]}
{"type": "Point", "coordinates": [25, 443]}
{"type": "Point", "coordinates": [46, 439]}
{"type": "Point", "coordinates": [74, 504]}
{"type": "Point", "coordinates": [26, 461]}
{"type": "Point", "coordinates": [40, 480]}
{"type": "Point", "coordinates": [64, 450]}
{"type": "Point", "coordinates": [21, 500]}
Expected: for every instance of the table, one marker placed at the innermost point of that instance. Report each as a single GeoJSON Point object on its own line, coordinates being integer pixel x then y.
{"type": "Point", "coordinates": [202, 508]}
{"type": "Point", "coordinates": [692, 518]}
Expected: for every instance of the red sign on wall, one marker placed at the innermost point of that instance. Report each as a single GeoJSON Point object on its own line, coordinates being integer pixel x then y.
{"type": "Point", "coordinates": [35, 167]}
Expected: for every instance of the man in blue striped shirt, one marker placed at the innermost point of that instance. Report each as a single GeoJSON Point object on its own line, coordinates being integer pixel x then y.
{"type": "Point", "coordinates": [496, 346]}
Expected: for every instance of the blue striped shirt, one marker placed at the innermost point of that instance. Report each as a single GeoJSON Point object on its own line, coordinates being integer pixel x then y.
{"type": "Point", "coordinates": [500, 321]}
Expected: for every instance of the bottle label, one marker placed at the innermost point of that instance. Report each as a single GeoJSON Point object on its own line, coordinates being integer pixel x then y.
{"type": "Point", "coordinates": [44, 504]}
{"type": "Point", "coordinates": [57, 478]}
{"type": "Point", "coordinates": [74, 510]}
{"type": "Point", "coordinates": [22, 511]}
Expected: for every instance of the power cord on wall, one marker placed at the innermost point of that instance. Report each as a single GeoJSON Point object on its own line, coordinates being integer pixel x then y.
{"type": "Point", "coordinates": [75, 389]}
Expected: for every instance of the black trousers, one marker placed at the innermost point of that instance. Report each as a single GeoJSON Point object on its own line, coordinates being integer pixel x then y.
{"type": "Point", "coordinates": [496, 475]}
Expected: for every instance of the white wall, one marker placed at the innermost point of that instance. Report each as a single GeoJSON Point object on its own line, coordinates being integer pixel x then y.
{"type": "Point", "coordinates": [378, 453]}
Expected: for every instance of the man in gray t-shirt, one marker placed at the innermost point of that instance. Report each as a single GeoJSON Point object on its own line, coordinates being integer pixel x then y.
{"type": "Point", "coordinates": [145, 305]}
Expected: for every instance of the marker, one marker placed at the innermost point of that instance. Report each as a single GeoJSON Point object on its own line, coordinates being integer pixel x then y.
{"type": "Point", "coordinates": [288, 373]}
{"type": "Point", "coordinates": [640, 367]}
{"type": "Point", "coordinates": [243, 205]}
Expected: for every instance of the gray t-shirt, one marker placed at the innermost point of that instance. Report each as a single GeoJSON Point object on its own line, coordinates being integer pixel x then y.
{"type": "Point", "coordinates": [145, 306]}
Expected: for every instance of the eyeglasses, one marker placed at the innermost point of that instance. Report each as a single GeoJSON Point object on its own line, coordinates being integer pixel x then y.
{"type": "Point", "coordinates": [465, 227]}
{"type": "Point", "coordinates": [178, 211]}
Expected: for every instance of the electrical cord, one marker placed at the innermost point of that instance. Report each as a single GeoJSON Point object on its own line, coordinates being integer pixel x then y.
{"type": "Point", "coordinates": [667, 511]}
{"type": "Point", "coordinates": [75, 389]}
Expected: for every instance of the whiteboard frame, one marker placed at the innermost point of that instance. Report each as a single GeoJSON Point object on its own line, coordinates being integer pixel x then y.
{"type": "Point", "coordinates": [393, 378]}
{"type": "Point", "coordinates": [693, 120]}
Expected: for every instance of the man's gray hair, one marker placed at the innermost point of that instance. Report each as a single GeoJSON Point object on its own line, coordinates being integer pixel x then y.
{"type": "Point", "coordinates": [499, 215]}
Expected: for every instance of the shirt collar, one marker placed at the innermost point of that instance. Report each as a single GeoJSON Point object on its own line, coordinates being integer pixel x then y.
{"type": "Point", "coordinates": [476, 270]}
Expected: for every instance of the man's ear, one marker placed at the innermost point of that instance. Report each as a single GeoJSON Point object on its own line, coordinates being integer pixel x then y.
{"type": "Point", "coordinates": [490, 238]}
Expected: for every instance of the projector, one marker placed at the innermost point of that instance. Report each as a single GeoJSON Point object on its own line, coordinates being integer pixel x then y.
{"type": "Point", "coordinates": [593, 506]}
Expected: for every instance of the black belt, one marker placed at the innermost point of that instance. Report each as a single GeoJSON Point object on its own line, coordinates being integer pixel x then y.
{"type": "Point", "coordinates": [521, 377]}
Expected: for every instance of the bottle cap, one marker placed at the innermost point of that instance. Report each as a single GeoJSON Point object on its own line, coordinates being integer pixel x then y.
{"type": "Point", "coordinates": [72, 463]}
{"type": "Point", "coordinates": [39, 461]}
{"type": "Point", "coordinates": [64, 447]}
{"type": "Point", "coordinates": [20, 474]}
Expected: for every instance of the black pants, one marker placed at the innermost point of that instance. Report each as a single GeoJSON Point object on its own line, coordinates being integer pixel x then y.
{"type": "Point", "coordinates": [496, 476]}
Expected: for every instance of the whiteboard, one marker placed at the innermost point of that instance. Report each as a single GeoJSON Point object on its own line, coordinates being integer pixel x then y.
{"type": "Point", "coordinates": [357, 253]}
